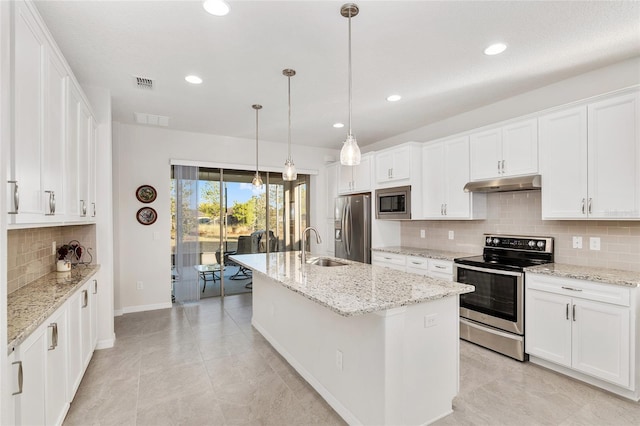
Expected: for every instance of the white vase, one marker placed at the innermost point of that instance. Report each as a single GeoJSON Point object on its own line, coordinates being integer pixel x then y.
{"type": "Point", "coordinates": [63, 266]}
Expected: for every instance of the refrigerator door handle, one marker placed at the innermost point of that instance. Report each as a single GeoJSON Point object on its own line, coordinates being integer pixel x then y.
{"type": "Point", "coordinates": [348, 229]}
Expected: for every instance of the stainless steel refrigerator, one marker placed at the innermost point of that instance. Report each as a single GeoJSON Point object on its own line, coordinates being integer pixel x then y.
{"type": "Point", "coordinates": [352, 230]}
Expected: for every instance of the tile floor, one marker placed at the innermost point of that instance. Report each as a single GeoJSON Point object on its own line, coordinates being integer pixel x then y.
{"type": "Point", "coordinates": [203, 364]}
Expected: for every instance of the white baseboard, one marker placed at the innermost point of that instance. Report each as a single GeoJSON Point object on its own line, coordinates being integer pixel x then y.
{"type": "Point", "coordinates": [106, 343]}
{"type": "Point", "coordinates": [117, 312]}
{"type": "Point", "coordinates": [143, 308]}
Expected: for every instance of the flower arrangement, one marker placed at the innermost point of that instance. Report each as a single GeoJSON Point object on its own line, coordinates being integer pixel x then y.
{"type": "Point", "coordinates": [64, 252]}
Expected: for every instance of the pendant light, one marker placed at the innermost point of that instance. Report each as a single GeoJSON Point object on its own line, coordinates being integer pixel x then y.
{"type": "Point", "coordinates": [350, 153]}
{"type": "Point", "coordinates": [257, 180]}
{"type": "Point", "coordinates": [289, 172]}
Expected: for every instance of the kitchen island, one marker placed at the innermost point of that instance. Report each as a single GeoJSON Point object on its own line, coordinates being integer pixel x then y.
{"type": "Point", "coordinates": [380, 346]}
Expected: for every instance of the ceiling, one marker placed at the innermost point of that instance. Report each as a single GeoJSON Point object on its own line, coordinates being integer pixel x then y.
{"type": "Point", "coordinates": [429, 52]}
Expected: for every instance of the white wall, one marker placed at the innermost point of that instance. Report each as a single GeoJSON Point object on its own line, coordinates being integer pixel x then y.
{"type": "Point", "coordinates": [607, 79]}
{"type": "Point", "coordinates": [141, 155]}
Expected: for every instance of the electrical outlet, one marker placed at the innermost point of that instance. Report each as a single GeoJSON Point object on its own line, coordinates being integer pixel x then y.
{"type": "Point", "coordinates": [339, 359]}
{"type": "Point", "coordinates": [422, 233]}
{"type": "Point", "coordinates": [577, 242]}
{"type": "Point", "coordinates": [430, 320]}
{"type": "Point", "coordinates": [451, 235]}
{"type": "Point", "coordinates": [139, 285]}
{"type": "Point", "coordinates": [53, 248]}
{"type": "Point", "coordinates": [594, 243]}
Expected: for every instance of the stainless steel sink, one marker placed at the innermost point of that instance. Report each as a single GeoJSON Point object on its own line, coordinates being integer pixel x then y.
{"type": "Point", "coordinates": [323, 261]}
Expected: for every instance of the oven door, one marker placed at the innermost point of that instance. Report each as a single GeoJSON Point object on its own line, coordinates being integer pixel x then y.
{"type": "Point", "coordinates": [498, 300]}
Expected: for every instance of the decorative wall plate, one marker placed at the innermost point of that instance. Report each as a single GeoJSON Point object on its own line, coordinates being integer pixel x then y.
{"type": "Point", "coordinates": [146, 193]}
{"type": "Point", "coordinates": [146, 215]}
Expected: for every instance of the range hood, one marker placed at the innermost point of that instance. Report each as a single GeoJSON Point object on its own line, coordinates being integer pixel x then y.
{"type": "Point", "coordinates": [506, 184]}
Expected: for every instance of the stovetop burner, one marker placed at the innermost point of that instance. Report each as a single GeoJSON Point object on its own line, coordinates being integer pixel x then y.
{"type": "Point", "coordinates": [511, 252]}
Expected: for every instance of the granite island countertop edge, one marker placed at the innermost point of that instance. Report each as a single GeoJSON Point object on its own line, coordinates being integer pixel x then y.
{"type": "Point", "coordinates": [352, 296]}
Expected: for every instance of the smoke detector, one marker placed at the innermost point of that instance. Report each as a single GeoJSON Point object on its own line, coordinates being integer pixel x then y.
{"type": "Point", "coordinates": [143, 82]}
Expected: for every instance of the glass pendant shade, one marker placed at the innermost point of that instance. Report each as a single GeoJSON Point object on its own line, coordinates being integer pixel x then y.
{"type": "Point", "coordinates": [257, 180]}
{"type": "Point", "coordinates": [289, 172]}
{"type": "Point", "coordinates": [350, 152]}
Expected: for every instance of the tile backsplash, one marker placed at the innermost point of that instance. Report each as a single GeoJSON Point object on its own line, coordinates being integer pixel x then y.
{"type": "Point", "coordinates": [519, 213]}
{"type": "Point", "coordinates": [30, 255]}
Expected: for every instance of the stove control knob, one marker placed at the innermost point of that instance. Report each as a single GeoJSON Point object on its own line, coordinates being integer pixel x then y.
{"type": "Point", "coordinates": [540, 244]}
{"type": "Point", "coordinates": [532, 243]}
{"type": "Point", "coordinates": [488, 240]}
{"type": "Point", "coordinates": [496, 241]}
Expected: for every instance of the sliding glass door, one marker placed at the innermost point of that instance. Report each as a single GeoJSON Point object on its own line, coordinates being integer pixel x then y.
{"type": "Point", "coordinates": [229, 216]}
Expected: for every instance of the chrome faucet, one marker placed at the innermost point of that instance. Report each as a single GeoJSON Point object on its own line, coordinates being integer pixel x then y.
{"type": "Point", "coordinates": [303, 254]}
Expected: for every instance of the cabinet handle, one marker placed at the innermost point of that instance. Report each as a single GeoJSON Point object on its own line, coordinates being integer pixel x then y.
{"type": "Point", "coordinates": [441, 209]}
{"type": "Point", "coordinates": [582, 206]}
{"type": "Point", "coordinates": [416, 263]}
{"type": "Point", "coordinates": [20, 377]}
{"type": "Point", "coordinates": [589, 205]}
{"type": "Point", "coordinates": [499, 172]}
{"type": "Point", "coordinates": [567, 311]}
{"type": "Point", "coordinates": [54, 336]}
{"type": "Point", "coordinates": [94, 209]}
{"type": "Point", "coordinates": [95, 286]}
{"type": "Point", "coordinates": [52, 203]}
{"type": "Point", "coordinates": [85, 298]}
{"type": "Point", "coordinates": [445, 209]}
{"type": "Point", "coordinates": [387, 258]}
{"type": "Point", "coordinates": [83, 208]}
{"type": "Point", "coordinates": [440, 267]}
{"type": "Point", "coordinates": [16, 196]}
{"type": "Point", "coordinates": [571, 288]}
{"type": "Point", "coordinates": [502, 166]}
{"type": "Point", "coordinates": [573, 312]}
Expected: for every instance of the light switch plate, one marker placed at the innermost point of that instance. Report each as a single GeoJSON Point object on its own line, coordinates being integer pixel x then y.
{"type": "Point", "coordinates": [53, 247]}
{"type": "Point", "coordinates": [422, 233]}
{"type": "Point", "coordinates": [594, 243]}
{"type": "Point", "coordinates": [451, 235]}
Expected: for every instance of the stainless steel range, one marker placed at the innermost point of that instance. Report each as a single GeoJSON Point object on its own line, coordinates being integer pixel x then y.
{"type": "Point", "coordinates": [493, 315]}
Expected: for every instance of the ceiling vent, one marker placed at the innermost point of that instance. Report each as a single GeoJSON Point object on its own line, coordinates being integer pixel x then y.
{"type": "Point", "coordinates": [151, 119]}
{"type": "Point", "coordinates": [143, 83]}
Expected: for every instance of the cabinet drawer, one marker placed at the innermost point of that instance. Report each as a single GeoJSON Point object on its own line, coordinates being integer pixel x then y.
{"type": "Point", "coordinates": [416, 262]}
{"type": "Point", "coordinates": [613, 294]}
{"type": "Point", "coordinates": [395, 259]}
{"type": "Point", "coordinates": [441, 266]}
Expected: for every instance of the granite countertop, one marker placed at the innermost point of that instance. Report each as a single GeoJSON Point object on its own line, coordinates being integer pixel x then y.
{"type": "Point", "coordinates": [588, 273]}
{"type": "Point", "coordinates": [29, 306]}
{"type": "Point", "coordinates": [422, 252]}
{"type": "Point", "coordinates": [354, 289]}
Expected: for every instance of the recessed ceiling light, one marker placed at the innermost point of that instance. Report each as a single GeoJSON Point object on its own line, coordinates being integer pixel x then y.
{"type": "Point", "coordinates": [216, 7]}
{"type": "Point", "coordinates": [338, 125]}
{"type": "Point", "coordinates": [193, 79]}
{"type": "Point", "coordinates": [495, 49]}
{"type": "Point", "coordinates": [394, 98]}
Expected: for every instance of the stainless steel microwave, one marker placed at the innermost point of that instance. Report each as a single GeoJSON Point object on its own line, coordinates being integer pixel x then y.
{"type": "Point", "coordinates": [393, 203]}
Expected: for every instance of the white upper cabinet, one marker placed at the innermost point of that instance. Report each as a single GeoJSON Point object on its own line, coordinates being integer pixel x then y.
{"type": "Point", "coordinates": [445, 172]}
{"type": "Point", "coordinates": [28, 65]}
{"type": "Point", "coordinates": [510, 150]}
{"type": "Point", "coordinates": [44, 179]}
{"type": "Point", "coordinates": [352, 179]}
{"type": "Point", "coordinates": [614, 158]}
{"type": "Point", "coordinates": [590, 161]}
{"type": "Point", "coordinates": [393, 165]}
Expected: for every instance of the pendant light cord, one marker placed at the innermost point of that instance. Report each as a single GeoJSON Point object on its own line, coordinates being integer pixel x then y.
{"type": "Point", "coordinates": [350, 79]}
{"type": "Point", "coordinates": [289, 84]}
{"type": "Point", "coordinates": [256, 141]}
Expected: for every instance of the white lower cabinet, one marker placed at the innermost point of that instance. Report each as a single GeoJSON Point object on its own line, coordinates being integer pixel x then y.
{"type": "Point", "coordinates": [389, 260]}
{"type": "Point", "coordinates": [56, 397]}
{"type": "Point", "coordinates": [583, 326]}
{"type": "Point", "coordinates": [48, 366]}
{"type": "Point", "coordinates": [435, 268]}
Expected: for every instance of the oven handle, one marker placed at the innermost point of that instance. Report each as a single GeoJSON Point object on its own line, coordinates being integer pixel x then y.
{"type": "Point", "coordinates": [491, 271]}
